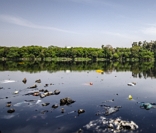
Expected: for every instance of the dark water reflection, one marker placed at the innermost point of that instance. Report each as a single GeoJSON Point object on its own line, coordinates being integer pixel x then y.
{"type": "Point", "coordinates": [73, 79]}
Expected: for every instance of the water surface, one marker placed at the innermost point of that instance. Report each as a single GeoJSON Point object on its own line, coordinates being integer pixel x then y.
{"type": "Point", "coordinates": [32, 117]}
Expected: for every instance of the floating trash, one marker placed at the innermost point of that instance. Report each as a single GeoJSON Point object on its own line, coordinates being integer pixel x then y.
{"type": "Point", "coordinates": [16, 92]}
{"type": "Point", "coordinates": [38, 81]}
{"type": "Point", "coordinates": [41, 90]}
{"type": "Point", "coordinates": [108, 110]}
{"type": "Point", "coordinates": [46, 85]}
{"type": "Point", "coordinates": [80, 111]}
{"type": "Point", "coordinates": [11, 110]}
{"type": "Point", "coordinates": [99, 71]}
{"type": "Point", "coordinates": [66, 101]}
{"type": "Point", "coordinates": [38, 101]}
{"type": "Point", "coordinates": [42, 95]}
{"type": "Point", "coordinates": [104, 125]}
{"type": "Point", "coordinates": [36, 94]}
{"type": "Point", "coordinates": [24, 80]}
{"type": "Point", "coordinates": [130, 97]}
{"type": "Point", "coordinates": [111, 110]}
{"type": "Point", "coordinates": [131, 84]}
{"type": "Point", "coordinates": [34, 86]}
{"type": "Point", "coordinates": [1, 87]}
{"type": "Point", "coordinates": [147, 106]}
{"type": "Point", "coordinates": [67, 71]}
{"type": "Point", "coordinates": [46, 93]}
{"type": "Point", "coordinates": [90, 83]}
{"type": "Point", "coordinates": [8, 104]}
{"type": "Point", "coordinates": [7, 81]}
{"type": "Point", "coordinates": [62, 110]}
{"type": "Point", "coordinates": [54, 106]}
{"type": "Point", "coordinates": [112, 100]}
{"type": "Point", "coordinates": [56, 92]}
{"type": "Point", "coordinates": [45, 104]}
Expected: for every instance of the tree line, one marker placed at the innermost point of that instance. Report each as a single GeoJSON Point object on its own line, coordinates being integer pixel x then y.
{"type": "Point", "coordinates": [140, 51]}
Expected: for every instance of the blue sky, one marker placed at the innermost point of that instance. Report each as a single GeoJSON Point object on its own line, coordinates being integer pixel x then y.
{"type": "Point", "coordinates": [76, 23]}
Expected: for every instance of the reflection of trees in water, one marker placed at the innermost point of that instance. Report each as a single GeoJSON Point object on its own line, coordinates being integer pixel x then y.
{"type": "Point", "coordinates": [138, 69]}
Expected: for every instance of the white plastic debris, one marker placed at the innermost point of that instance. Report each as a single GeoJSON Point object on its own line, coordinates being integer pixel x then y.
{"type": "Point", "coordinates": [131, 84]}
{"type": "Point", "coordinates": [7, 81]}
{"type": "Point", "coordinates": [16, 92]}
{"type": "Point", "coordinates": [103, 125]}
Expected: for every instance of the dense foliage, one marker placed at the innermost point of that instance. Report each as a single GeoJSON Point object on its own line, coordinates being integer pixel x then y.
{"type": "Point", "coordinates": [140, 51]}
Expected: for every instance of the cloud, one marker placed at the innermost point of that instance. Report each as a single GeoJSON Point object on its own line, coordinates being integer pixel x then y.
{"type": "Point", "coordinates": [99, 2]}
{"type": "Point", "coordinates": [150, 30]}
{"type": "Point", "coordinates": [26, 23]}
{"type": "Point", "coordinates": [119, 35]}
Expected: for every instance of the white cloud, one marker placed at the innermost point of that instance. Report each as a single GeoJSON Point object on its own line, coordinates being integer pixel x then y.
{"type": "Point", "coordinates": [99, 2]}
{"type": "Point", "coordinates": [26, 23]}
{"type": "Point", "coordinates": [150, 30]}
{"type": "Point", "coordinates": [119, 35]}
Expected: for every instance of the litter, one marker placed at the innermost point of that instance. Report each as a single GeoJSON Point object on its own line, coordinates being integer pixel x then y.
{"type": "Point", "coordinates": [80, 111]}
{"type": "Point", "coordinates": [36, 94]}
{"type": "Point", "coordinates": [38, 81]}
{"type": "Point", "coordinates": [130, 97]}
{"type": "Point", "coordinates": [56, 92]}
{"type": "Point", "coordinates": [147, 106]}
{"type": "Point", "coordinates": [8, 104]}
{"type": "Point", "coordinates": [112, 100]}
{"type": "Point", "coordinates": [131, 84]}
{"type": "Point", "coordinates": [111, 110]}
{"type": "Point", "coordinates": [54, 106]}
{"type": "Point", "coordinates": [99, 71]}
{"type": "Point", "coordinates": [16, 92]}
{"type": "Point", "coordinates": [1, 87]}
{"type": "Point", "coordinates": [45, 104]}
{"type": "Point", "coordinates": [11, 110]}
{"type": "Point", "coordinates": [24, 80]}
{"type": "Point", "coordinates": [67, 71]}
{"type": "Point", "coordinates": [46, 85]}
{"type": "Point", "coordinates": [7, 81]}
{"type": "Point", "coordinates": [38, 101]}
{"type": "Point", "coordinates": [90, 83]}
{"type": "Point", "coordinates": [34, 86]}
{"type": "Point", "coordinates": [66, 101]}
{"type": "Point", "coordinates": [62, 110]}
{"type": "Point", "coordinates": [46, 93]}
{"type": "Point", "coordinates": [103, 125]}
{"type": "Point", "coordinates": [108, 110]}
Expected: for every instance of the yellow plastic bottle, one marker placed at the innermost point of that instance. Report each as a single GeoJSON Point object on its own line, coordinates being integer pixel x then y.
{"type": "Point", "coordinates": [130, 97]}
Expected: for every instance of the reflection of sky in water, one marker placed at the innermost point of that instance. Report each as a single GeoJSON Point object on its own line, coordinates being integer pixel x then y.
{"type": "Point", "coordinates": [74, 84]}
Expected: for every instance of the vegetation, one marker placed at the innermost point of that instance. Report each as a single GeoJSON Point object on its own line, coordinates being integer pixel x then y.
{"type": "Point", "coordinates": [140, 51]}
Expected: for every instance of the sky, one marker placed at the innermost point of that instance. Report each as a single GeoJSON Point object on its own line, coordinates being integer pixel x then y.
{"type": "Point", "coordinates": [76, 23]}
